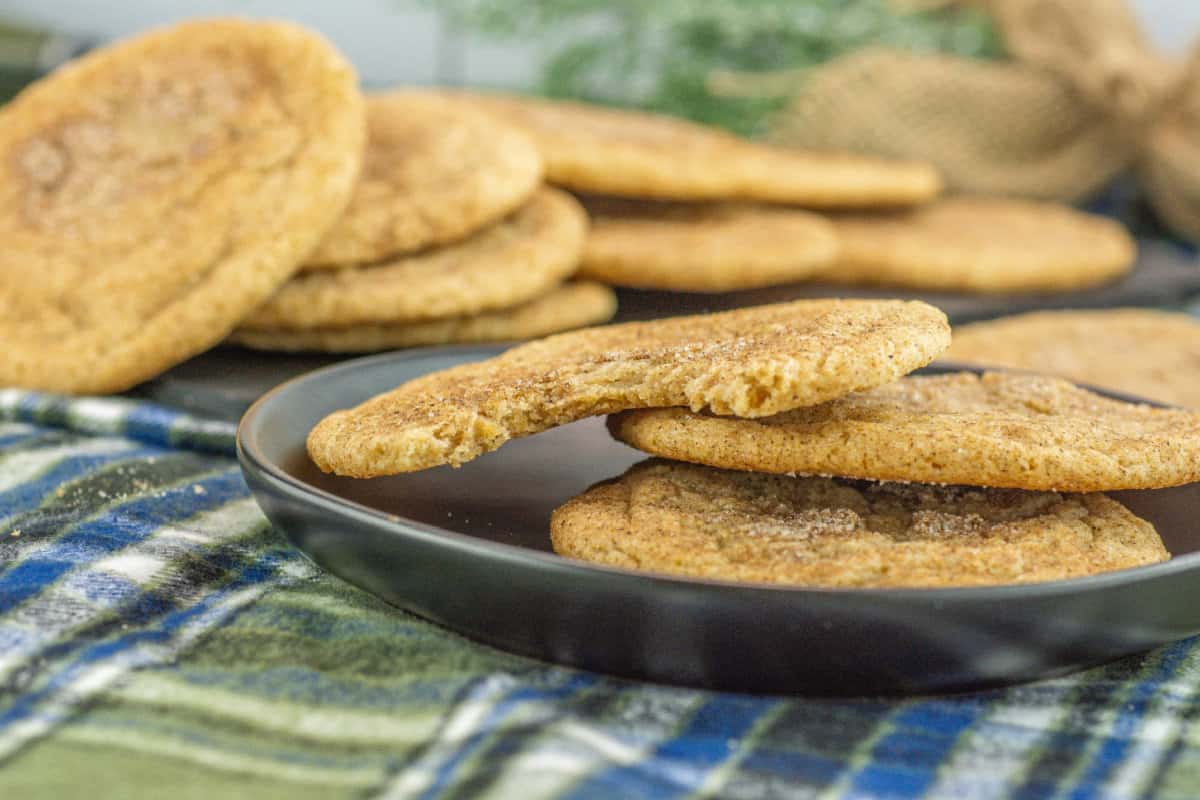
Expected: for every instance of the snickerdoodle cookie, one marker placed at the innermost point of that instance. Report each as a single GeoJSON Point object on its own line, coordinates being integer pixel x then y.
{"type": "Point", "coordinates": [154, 192]}
{"type": "Point", "coordinates": [692, 520]}
{"type": "Point", "coordinates": [706, 247]}
{"type": "Point", "coordinates": [508, 263]}
{"type": "Point", "coordinates": [1140, 351]}
{"type": "Point", "coordinates": [590, 148]}
{"type": "Point", "coordinates": [751, 362]}
{"type": "Point", "coordinates": [999, 429]}
{"type": "Point", "coordinates": [572, 305]}
{"type": "Point", "coordinates": [435, 171]}
{"type": "Point", "coordinates": [981, 245]}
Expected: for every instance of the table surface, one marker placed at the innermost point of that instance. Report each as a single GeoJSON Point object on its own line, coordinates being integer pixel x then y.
{"type": "Point", "coordinates": [155, 631]}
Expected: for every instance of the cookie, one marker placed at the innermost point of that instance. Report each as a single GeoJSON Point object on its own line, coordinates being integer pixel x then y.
{"type": "Point", "coordinates": [981, 245]}
{"type": "Point", "coordinates": [1154, 354]}
{"type": "Point", "coordinates": [692, 520]}
{"type": "Point", "coordinates": [751, 362]}
{"type": "Point", "coordinates": [1002, 429]}
{"type": "Point", "coordinates": [601, 150]}
{"type": "Point", "coordinates": [573, 305]}
{"type": "Point", "coordinates": [435, 171]}
{"type": "Point", "coordinates": [704, 247]}
{"type": "Point", "coordinates": [509, 263]}
{"type": "Point", "coordinates": [154, 192]}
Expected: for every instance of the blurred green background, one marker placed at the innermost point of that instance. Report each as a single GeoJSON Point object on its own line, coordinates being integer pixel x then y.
{"type": "Point", "coordinates": [652, 55]}
{"type": "Point", "coordinates": [660, 55]}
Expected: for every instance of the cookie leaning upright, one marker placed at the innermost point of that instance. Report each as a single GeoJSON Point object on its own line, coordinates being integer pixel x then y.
{"type": "Point", "coordinates": [154, 192]}
{"type": "Point", "coordinates": [751, 362]}
{"type": "Point", "coordinates": [435, 171]}
{"type": "Point", "coordinates": [599, 150]}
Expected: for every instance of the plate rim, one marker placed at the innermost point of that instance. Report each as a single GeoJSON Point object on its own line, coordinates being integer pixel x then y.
{"type": "Point", "coordinates": [252, 459]}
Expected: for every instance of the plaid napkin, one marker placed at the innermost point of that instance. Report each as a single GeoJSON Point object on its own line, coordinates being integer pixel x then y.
{"type": "Point", "coordinates": [156, 632]}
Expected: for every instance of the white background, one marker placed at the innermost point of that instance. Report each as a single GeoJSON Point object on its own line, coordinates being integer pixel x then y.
{"type": "Point", "coordinates": [395, 41]}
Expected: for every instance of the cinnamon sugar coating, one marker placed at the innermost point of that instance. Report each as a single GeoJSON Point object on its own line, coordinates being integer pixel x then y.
{"type": "Point", "coordinates": [1139, 351]}
{"type": "Point", "coordinates": [692, 520]}
{"type": "Point", "coordinates": [152, 193]}
{"type": "Point", "coordinates": [572, 305]}
{"type": "Point", "coordinates": [510, 262]}
{"type": "Point", "coordinates": [998, 429]}
{"type": "Point", "coordinates": [435, 171]}
{"type": "Point", "coordinates": [704, 247]}
{"type": "Point", "coordinates": [590, 148]}
{"type": "Point", "coordinates": [750, 362]}
{"type": "Point", "coordinates": [983, 245]}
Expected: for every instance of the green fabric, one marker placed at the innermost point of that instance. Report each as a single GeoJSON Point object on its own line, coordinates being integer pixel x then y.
{"type": "Point", "coordinates": [320, 690]}
{"type": "Point", "coordinates": [65, 769]}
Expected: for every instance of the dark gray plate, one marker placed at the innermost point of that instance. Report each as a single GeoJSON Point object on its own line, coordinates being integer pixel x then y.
{"type": "Point", "coordinates": [469, 549]}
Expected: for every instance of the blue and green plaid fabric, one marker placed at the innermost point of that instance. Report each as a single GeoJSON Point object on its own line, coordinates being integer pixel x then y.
{"type": "Point", "coordinates": [158, 638]}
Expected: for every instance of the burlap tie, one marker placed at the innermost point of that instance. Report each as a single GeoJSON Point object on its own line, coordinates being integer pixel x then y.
{"type": "Point", "coordinates": [1083, 98]}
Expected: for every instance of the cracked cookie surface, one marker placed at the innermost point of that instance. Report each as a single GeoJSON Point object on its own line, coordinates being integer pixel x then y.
{"type": "Point", "coordinates": [590, 148]}
{"type": "Point", "coordinates": [687, 519]}
{"type": "Point", "coordinates": [751, 362]}
{"type": "Point", "coordinates": [572, 305]}
{"type": "Point", "coordinates": [435, 171]}
{"type": "Point", "coordinates": [998, 429]}
{"type": "Point", "coordinates": [153, 192]}
{"type": "Point", "coordinates": [508, 263]}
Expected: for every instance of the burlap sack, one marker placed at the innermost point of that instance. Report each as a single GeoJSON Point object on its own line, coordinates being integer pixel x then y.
{"type": "Point", "coordinates": [1083, 98]}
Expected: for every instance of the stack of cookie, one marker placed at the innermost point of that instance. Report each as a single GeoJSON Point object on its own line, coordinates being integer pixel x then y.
{"type": "Point", "coordinates": [225, 175]}
{"type": "Point", "coordinates": [449, 237]}
{"type": "Point", "coordinates": [700, 210]}
{"type": "Point", "coordinates": [937, 480]}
